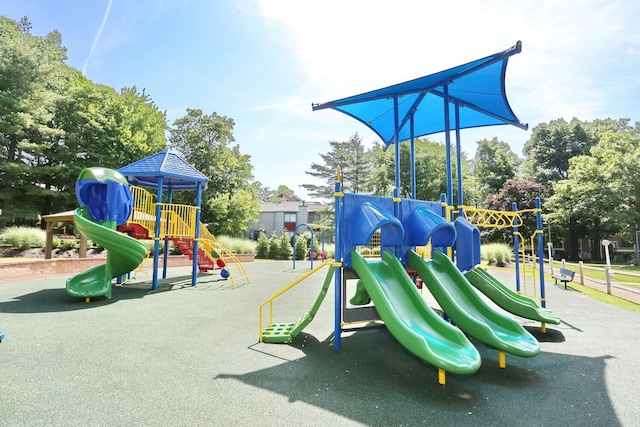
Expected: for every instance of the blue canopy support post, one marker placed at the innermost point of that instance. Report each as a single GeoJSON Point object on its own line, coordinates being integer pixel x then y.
{"type": "Point", "coordinates": [396, 190]}
{"type": "Point", "coordinates": [337, 332]}
{"type": "Point", "coordinates": [395, 142]}
{"type": "Point", "coordinates": [413, 158]}
{"type": "Point", "coordinates": [540, 233]}
{"type": "Point", "coordinates": [196, 236]}
{"type": "Point", "coordinates": [458, 155]}
{"type": "Point", "coordinates": [447, 137]}
{"type": "Point", "coordinates": [165, 253]}
{"type": "Point", "coordinates": [516, 246]}
{"type": "Point", "coordinates": [156, 235]}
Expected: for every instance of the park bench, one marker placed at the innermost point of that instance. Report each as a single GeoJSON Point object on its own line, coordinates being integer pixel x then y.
{"type": "Point", "coordinates": [565, 275]}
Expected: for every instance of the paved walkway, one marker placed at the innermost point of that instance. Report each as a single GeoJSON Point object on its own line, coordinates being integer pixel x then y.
{"type": "Point", "coordinates": [186, 356]}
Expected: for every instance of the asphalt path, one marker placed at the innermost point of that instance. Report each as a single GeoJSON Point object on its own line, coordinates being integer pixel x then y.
{"type": "Point", "coordinates": [186, 356]}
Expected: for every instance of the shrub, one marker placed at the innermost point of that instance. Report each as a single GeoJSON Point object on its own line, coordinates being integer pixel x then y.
{"type": "Point", "coordinates": [498, 253]}
{"type": "Point", "coordinates": [285, 246]}
{"type": "Point", "coordinates": [68, 244]}
{"type": "Point", "coordinates": [365, 251]}
{"type": "Point", "coordinates": [24, 237]}
{"type": "Point", "coordinates": [301, 247]}
{"type": "Point", "coordinates": [237, 245]}
{"type": "Point", "coordinates": [262, 246]}
{"type": "Point", "coordinates": [274, 246]}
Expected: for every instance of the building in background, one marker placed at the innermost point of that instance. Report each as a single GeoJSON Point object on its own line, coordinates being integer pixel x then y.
{"type": "Point", "coordinates": [285, 216]}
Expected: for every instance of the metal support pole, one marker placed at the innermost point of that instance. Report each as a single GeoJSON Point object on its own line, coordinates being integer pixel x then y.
{"type": "Point", "coordinates": [196, 236]}
{"type": "Point", "coordinates": [540, 250]}
{"type": "Point", "coordinates": [447, 136]}
{"type": "Point", "coordinates": [337, 331]}
{"type": "Point", "coordinates": [516, 246]}
{"type": "Point", "coordinates": [459, 156]}
{"type": "Point", "coordinates": [156, 243]}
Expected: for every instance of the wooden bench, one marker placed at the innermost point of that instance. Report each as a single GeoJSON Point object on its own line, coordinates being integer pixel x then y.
{"type": "Point", "coordinates": [565, 275]}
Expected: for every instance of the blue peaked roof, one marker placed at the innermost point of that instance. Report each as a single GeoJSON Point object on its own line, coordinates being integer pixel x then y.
{"type": "Point", "coordinates": [176, 173]}
{"type": "Point", "coordinates": [476, 89]}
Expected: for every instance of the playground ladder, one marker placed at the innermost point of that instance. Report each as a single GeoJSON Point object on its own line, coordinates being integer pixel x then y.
{"type": "Point", "coordinates": [286, 332]}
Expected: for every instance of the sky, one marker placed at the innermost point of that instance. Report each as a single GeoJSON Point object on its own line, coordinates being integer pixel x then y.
{"type": "Point", "coordinates": [264, 62]}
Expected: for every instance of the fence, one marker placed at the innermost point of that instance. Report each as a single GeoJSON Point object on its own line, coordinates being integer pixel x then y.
{"type": "Point", "coordinates": [604, 276]}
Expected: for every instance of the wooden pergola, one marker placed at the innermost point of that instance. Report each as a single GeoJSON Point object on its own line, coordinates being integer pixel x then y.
{"type": "Point", "coordinates": [55, 223]}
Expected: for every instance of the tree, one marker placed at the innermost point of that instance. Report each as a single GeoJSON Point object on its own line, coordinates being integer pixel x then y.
{"type": "Point", "coordinates": [601, 195]}
{"type": "Point", "coordinates": [54, 122]}
{"type": "Point", "coordinates": [232, 213]}
{"type": "Point", "coordinates": [430, 166]}
{"type": "Point", "coordinates": [205, 141]}
{"type": "Point", "coordinates": [281, 194]}
{"type": "Point", "coordinates": [354, 162]}
{"type": "Point", "coordinates": [32, 72]}
{"type": "Point", "coordinates": [551, 146]}
{"type": "Point", "coordinates": [494, 164]}
{"type": "Point", "coordinates": [126, 126]}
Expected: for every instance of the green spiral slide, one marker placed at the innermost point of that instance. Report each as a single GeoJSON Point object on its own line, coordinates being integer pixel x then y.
{"type": "Point", "coordinates": [124, 254]}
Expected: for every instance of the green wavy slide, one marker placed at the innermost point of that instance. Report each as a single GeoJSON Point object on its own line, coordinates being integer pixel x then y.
{"type": "Point", "coordinates": [507, 299]}
{"type": "Point", "coordinates": [124, 254]}
{"type": "Point", "coordinates": [410, 320]}
{"type": "Point", "coordinates": [468, 310]}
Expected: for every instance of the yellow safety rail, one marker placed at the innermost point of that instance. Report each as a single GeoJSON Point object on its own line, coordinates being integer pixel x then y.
{"type": "Point", "coordinates": [490, 218]}
{"type": "Point", "coordinates": [210, 246]}
{"type": "Point", "coordinates": [144, 211]}
{"type": "Point", "coordinates": [288, 288]}
{"type": "Point", "coordinates": [179, 221]}
{"type": "Point", "coordinates": [501, 219]}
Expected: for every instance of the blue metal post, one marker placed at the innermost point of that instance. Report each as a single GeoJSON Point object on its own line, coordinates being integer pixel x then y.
{"type": "Point", "coordinates": [196, 236]}
{"type": "Point", "coordinates": [541, 251]}
{"type": "Point", "coordinates": [447, 136]}
{"type": "Point", "coordinates": [413, 158]}
{"type": "Point", "coordinates": [516, 246]}
{"type": "Point", "coordinates": [458, 155]}
{"type": "Point", "coordinates": [156, 243]}
{"type": "Point", "coordinates": [337, 338]}
{"type": "Point", "coordinates": [395, 141]}
{"type": "Point", "coordinates": [165, 253]}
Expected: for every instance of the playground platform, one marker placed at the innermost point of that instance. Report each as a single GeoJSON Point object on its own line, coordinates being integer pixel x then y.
{"type": "Point", "coordinates": [186, 356]}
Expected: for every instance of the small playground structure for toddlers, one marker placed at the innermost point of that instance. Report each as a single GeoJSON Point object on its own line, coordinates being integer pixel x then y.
{"type": "Point", "coordinates": [467, 96]}
{"type": "Point", "coordinates": [117, 216]}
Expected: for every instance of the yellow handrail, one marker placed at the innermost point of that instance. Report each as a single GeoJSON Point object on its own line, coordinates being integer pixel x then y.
{"type": "Point", "coordinates": [287, 288]}
{"type": "Point", "coordinates": [179, 221]}
{"type": "Point", "coordinates": [143, 212]}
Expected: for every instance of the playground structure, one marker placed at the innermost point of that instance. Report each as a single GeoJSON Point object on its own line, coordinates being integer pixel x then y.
{"type": "Point", "coordinates": [117, 216]}
{"type": "Point", "coordinates": [402, 112]}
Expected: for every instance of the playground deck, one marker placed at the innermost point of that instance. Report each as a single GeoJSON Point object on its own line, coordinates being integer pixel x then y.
{"type": "Point", "coordinates": [187, 355]}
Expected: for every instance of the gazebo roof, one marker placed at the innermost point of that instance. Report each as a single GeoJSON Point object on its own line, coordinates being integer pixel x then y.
{"type": "Point", "coordinates": [176, 173]}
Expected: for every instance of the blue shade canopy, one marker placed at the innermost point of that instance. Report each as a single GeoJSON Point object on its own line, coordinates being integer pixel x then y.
{"type": "Point", "coordinates": [176, 173]}
{"type": "Point", "coordinates": [476, 88]}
